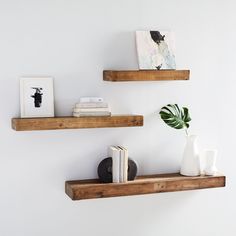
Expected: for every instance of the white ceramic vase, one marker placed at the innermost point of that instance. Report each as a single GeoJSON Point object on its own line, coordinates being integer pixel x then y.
{"type": "Point", "coordinates": [191, 162]}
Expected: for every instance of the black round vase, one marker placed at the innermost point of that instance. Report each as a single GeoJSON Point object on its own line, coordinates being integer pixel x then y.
{"type": "Point", "coordinates": [105, 170]}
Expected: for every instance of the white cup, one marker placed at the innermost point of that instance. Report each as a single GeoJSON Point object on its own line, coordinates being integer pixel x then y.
{"type": "Point", "coordinates": [210, 162]}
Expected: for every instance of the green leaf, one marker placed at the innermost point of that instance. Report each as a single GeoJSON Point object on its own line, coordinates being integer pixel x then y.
{"type": "Point", "coordinates": [175, 117]}
{"type": "Point", "coordinates": [186, 114]}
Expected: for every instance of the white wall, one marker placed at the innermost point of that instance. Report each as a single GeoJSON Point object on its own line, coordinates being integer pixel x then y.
{"type": "Point", "coordinates": [73, 41]}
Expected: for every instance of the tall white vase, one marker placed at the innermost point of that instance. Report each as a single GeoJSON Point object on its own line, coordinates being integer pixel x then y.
{"type": "Point", "coordinates": [190, 163]}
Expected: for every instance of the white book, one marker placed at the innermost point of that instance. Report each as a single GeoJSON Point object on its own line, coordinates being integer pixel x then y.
{"type": "Point", "coordinates": [91, 110]}
{"type": "Point", "coordinates": [90, 99]}
{"type": "Point", "coordinates": [91, 105]}
{"type": "Point", "coordinates": [87, 114]}
{"type": "Point", "coordinates": [114, 153]}
{"type": "Point", "coordinates": [121, 164]}
{"type": "Point", "coordinates": [124, 164]}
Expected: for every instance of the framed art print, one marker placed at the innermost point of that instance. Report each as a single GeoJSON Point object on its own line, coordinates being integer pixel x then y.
{"type": "Point", "coordinates": [156, 50]}
{"type": "Point", "coordinates": [36, 97]}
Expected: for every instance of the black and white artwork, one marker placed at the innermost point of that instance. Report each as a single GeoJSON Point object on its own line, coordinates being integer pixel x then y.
{"type": "Point", "coordinates": [156, 50]}
{"type": "Point", "coordinates": [36, 97]}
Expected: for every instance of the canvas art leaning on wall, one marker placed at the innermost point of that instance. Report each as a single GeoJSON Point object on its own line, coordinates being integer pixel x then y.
{"type": "Point", "coordinates": [156, 50]}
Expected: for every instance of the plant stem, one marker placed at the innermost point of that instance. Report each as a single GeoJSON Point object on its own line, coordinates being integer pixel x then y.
{"type": "Point", "coordinates": [186, 131]}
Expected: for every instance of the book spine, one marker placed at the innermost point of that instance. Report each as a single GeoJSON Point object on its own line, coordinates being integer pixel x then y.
{"type": "Point", "coordinates": [91, 110]}
{"type": "Point", "coordinates": [121, 164]}
{"type": "Point", "coordinates": [91, 99]}
{"type": "Point", "coordinates": [76, 114]}
{"type": "Point", "coordinates": [125, 164]}
{"type": "Point", "coordinates": [91, 105]}
{"type": "Point", "coordinates": [114, 153]}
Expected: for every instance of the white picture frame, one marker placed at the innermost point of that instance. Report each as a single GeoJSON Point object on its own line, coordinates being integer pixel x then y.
{"type": "Point", "coordinates": [36, 97]}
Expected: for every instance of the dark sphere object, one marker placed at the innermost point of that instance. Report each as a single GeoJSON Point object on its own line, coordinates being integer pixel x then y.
{"type": "Point", "coordinates": [105, 170]}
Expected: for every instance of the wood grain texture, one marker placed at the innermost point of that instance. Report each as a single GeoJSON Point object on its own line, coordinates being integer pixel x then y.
{"type": "Point", "coordinates": [29, 124]}
{"type": "Point", "coordinates": [145, 75]}
{"type": "Point", "coordinates": [88, 189]}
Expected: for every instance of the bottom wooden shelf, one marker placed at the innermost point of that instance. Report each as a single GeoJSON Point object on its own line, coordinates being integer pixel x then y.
{"type": "Point", "coordinates": [92, 188]}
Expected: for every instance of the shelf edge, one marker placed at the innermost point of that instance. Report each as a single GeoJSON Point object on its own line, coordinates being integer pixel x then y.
{"type": "Point", "coordinates": [81, 190]}
{"type": "Point", "coordinates": [56, 123]}
{"type": "Point", "coordinates": [145, 75]}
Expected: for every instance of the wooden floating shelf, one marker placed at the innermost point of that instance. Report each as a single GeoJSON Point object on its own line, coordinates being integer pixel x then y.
{"type": "Point", "coordinates": [88, 189]}
{"type": "Point", "coordinates": [145, 75]}
{"type": "Point", "coordinates": [29, 124]}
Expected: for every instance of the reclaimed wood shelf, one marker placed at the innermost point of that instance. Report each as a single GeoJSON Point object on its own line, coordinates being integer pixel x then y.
{"type": "Point", "coordinates": [145, 75]}
{"type": "Point", "coordinates": [29, 124]}
{"type": "Point", "coordinates": [92, 188]}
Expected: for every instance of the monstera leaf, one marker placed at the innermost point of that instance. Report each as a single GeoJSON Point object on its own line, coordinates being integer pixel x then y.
{"type": "Point", "coordinates": [175, 117]}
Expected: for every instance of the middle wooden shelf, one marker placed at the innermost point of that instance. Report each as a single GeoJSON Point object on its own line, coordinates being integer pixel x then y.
{"type": "Point", "coordinates": [29, 124]}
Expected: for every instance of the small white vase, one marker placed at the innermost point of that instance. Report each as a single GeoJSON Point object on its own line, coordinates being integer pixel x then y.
{"type": "Point", "coordinates": [210, 162]}
{"type": "Point", "coordinates": [190, 163]}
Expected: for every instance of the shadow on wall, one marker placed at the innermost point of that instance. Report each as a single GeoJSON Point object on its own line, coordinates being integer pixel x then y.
{"type": "Point", "coordinates": [153, 210]}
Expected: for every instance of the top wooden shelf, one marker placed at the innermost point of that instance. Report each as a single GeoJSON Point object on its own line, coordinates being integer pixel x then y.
{"type": "Point", "coordinates": [145, 75]}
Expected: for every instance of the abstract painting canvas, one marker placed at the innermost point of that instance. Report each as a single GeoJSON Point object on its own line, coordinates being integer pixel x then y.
{"type": "Point", "coordinates": [36, 97]}
{"type": "Point", "coordinates": [156, 50]}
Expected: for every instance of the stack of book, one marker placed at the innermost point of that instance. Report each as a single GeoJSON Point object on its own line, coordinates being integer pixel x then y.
{"type": "Point", "coordinates": [91, 106]}
{"type": "Point", "coordinates": [119, 157]}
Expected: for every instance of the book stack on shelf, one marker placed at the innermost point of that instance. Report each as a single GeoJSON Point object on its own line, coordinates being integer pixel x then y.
{"type": "Point", "coordinates": [91, 106]}
{"type": "Point", "coordinates": [119, 156]}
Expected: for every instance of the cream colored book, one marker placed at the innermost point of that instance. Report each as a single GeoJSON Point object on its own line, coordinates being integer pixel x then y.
{"type": "Point", "coordinates": [91, 99]}
{"type": "Point", "coordinates": [123, 164]}
{"type": "Point", "coordinates": [91, 105]}
{"type": "Point", "coordinates": [126, 162]}
{"type": "Point", "coordinates": [114, 153]}
{"type": "Point", "coordinates": [100, 109]}
{"type": "Point", "coordinates": [87, 114]}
